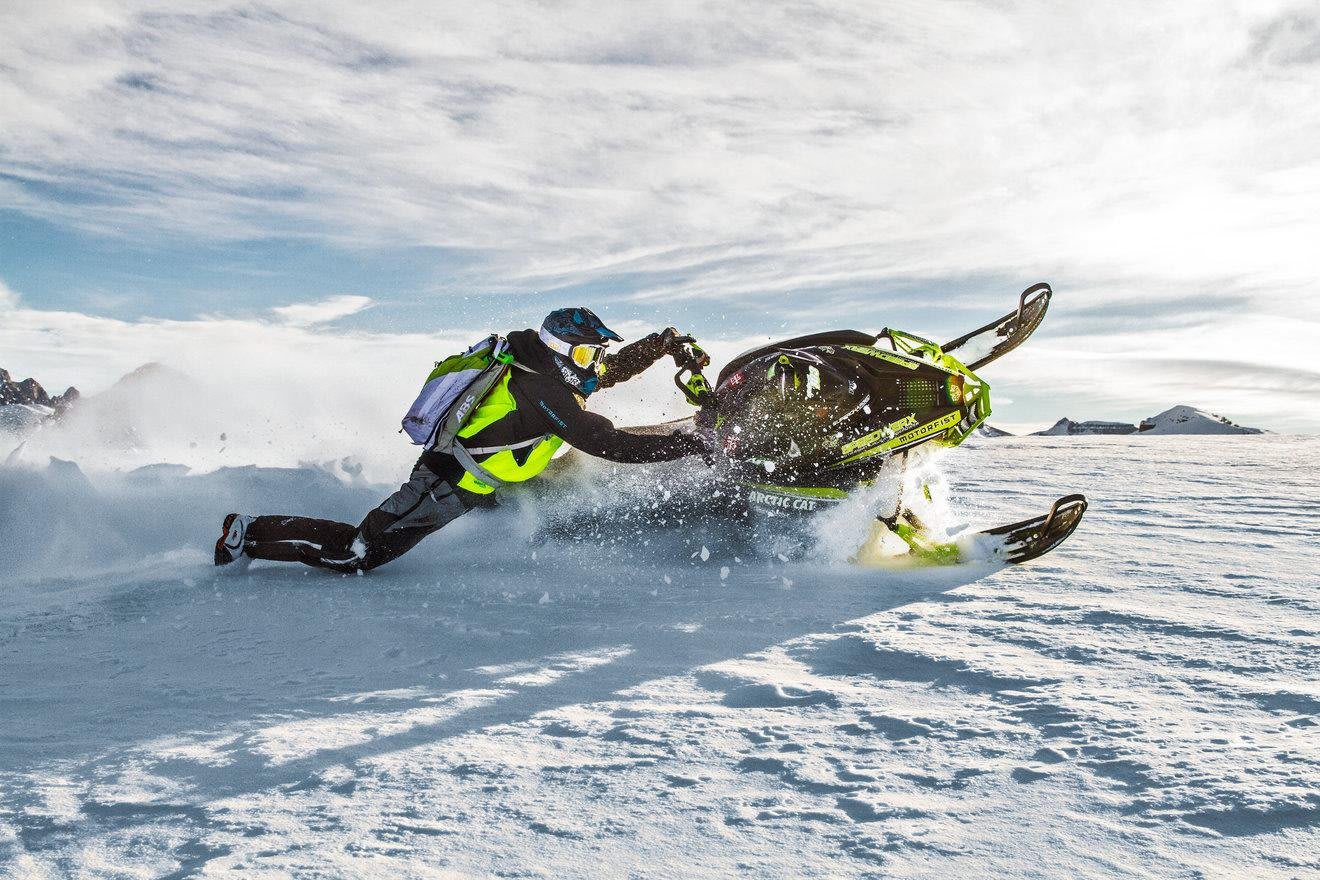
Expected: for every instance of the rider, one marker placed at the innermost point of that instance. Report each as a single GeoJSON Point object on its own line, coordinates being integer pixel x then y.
{"type": "Point", "coordinates": [511, 434]}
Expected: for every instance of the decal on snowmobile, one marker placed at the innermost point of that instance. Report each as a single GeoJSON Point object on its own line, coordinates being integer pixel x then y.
{"type": "Point", "coordinates": [943, 423]}
{"type": "Point", "coordinates": [884, 433]}
{"type": "Point", "coordinates": [883, 355]}
{"type": "Point", "coordinates": [792, 498]}
{"type": "Point", "coordinates": [782, 502]}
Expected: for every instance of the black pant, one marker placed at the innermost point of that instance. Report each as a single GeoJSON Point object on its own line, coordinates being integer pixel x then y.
{"type": "Point", "coordinates": [426, 503]}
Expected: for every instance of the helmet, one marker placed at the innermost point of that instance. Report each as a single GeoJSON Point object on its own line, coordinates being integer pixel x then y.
{"type": "Point", "coordinates": [577, 340]}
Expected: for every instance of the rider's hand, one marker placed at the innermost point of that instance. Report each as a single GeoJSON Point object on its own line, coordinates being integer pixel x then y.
{"type": "Point", "coordinates": [671, 341]}
{"type": "Point", "coordinates": [684, 349]}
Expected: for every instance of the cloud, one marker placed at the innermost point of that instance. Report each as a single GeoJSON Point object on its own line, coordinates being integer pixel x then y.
{"type": "Point", "coordinates": [824, 162]}
{"type": "Point", "coordinates": [332, 309]}
{"type": "Point", "coordinates": [1247, 370]}
{"type": "Point", "coordinates": [708, 149]}
{"type": "Point", "coordinates": [1291, 39]}
{"type": "Point", "coordinates": [8, 299]}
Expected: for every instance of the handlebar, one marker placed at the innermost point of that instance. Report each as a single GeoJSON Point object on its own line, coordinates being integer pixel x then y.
{"type": "Point", "coordinates": [692, 359]}
{"type": "Point", "coordinates": [690, 356]}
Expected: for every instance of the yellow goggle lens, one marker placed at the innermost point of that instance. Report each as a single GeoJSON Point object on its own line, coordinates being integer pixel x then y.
{"type": "Point", "coordinates": [586, 355]}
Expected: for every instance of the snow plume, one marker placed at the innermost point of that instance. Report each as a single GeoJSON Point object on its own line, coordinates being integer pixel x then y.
{"type": "Point", "coordinates": [215, 392]}
{"type": "Point", "coordinates": [155, 520]}
{"type": "Point", "coordinates": [916, 483]}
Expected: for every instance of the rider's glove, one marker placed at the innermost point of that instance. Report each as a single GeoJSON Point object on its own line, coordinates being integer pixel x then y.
{"type": "Point", "coordinates": [671, 341]}
{"type": "Point", "coordinates": [683, 348]}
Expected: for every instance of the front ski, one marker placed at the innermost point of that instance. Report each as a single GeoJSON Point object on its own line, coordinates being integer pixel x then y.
{"type": "Point", "coordinates": [1030, 538]}
{"type": "Point", "coordinates": [998, 338]}
{"type": "Point", "coordinates": [1009, 544]}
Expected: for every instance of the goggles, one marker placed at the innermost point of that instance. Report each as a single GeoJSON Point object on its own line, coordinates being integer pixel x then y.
{"type": "Point", "coordinates": [583, 355]}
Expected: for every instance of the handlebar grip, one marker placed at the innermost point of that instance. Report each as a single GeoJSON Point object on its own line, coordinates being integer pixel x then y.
{"type": "Point", "coordinates": [696, 355]}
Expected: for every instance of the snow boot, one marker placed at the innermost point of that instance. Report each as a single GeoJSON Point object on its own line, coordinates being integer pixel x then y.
{"type": "Point", "coordinates": [229, 546]}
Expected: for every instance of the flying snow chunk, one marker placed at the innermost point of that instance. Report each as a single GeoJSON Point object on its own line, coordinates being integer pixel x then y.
{"type": "Point", "coordinates": [705, 553]}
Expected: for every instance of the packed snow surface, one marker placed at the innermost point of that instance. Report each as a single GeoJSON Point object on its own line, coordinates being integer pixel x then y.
{"type": "Point", "coordinates": [1144, 701]}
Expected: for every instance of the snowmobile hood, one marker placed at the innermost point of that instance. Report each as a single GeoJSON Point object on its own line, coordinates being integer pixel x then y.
{"type": "Point", "coordinates": [828, 414]}
{"type": "Point", "coordinates": [829, 337]}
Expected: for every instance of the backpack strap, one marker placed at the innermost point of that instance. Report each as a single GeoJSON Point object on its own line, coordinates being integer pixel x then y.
{"type": "Point", "coordinates": [491, 450]}
{"type": "Point", "coordinates": [465, 456]}
{"type": "Point", "coordinates": [472, 466]}
{"type": "Point", "coordinates": [501, 354]}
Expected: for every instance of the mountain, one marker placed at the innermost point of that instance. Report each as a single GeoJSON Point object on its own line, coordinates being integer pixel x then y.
{"type": "Point", "coordinates": [992, 431]}
{"type": "Point", "coordinates": [1067, 427]}
{"type": "Point", "coordinates": [26, 403]}
{"type": "Point", "coordinates": [1183, 419]}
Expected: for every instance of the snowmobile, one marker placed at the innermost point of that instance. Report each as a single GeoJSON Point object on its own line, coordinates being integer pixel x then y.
{"type": "Point", "coordinates": [799, 425]}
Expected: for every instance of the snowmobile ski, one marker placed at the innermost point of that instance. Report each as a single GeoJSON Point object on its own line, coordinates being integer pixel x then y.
{"type": "Point", "coordinates": [988, 343]}
{"type": "Point", "coordinates": [1008, 544]}
{"type": "Point", "coordinates": [1031, 538]}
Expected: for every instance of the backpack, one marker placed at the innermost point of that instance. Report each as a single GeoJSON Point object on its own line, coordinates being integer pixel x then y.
{"type": "Point", "coordinates": [451, 391]}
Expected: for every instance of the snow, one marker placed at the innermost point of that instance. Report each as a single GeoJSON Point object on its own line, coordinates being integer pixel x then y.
{"type": "Point", "coordinates": [1142, 702]}
{"type": "Point", "coordinates": [19, 417]}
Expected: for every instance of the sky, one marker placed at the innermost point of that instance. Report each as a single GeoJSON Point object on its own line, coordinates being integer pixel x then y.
{"type": "Point", "coordinates": [337, 183]}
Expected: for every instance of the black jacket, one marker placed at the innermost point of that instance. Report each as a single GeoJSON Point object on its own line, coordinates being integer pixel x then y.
{"type": "Point", "coordinates": [546, 405]}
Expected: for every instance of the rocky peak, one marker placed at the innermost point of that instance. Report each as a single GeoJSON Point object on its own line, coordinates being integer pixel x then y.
{"type": "Point", "coordinates": [1067, 427]}
{"type": "Point", "coordinates": [30, 393]}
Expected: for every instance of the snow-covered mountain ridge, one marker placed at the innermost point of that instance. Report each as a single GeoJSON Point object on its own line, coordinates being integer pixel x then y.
{"type": "Point", "coordinates": [1181, 419]}
{"type": "Point", "coordinates": [1185, 419]}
